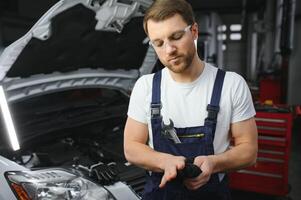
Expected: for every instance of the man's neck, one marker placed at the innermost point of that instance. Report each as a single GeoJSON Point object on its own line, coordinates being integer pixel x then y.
{"type": "Point", "coordinates": [191, 73]}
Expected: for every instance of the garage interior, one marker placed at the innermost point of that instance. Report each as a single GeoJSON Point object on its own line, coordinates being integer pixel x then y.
{"type": "Point", "coordinates": [258, 39]}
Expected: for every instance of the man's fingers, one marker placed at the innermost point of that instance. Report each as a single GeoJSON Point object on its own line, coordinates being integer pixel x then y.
{"type": "Point", "coordinates": [181, 165]}
{"type": "Point", "coordinates": [199, 160]}
{"type": "Point", "coordinates": [163, 182]}
{"type": "Point", "coordinates": [168, 176]}
{"type": "Point", "coordinates": [171, 165]}
{"type": "Point", "coordinates": [194, 185]}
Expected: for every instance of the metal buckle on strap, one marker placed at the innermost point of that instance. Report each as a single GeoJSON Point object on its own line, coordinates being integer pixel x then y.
{"type": "Point", "coordinates": [212, 112]}
{"type": "Point", "coordinates": [155, 109]}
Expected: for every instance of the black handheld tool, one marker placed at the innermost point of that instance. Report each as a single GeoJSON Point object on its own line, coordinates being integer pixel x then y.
{"type": "Point", "coordinates": [190, 170]}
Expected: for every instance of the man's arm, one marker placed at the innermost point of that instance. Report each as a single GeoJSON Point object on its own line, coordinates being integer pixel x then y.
{"type": "Point", "coordinates": [244, 151]}
{"type": "Point", "coordinates": [243, 154]}
{"type": "Point", "coordinates": [139, 153]}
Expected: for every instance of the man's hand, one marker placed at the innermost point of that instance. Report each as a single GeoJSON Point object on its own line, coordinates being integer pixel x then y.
{"type": "Point", "coordinates": [206, 165]}
{"type": "Point", "coordinates": [171, 165]}
{"type": "Point", "coordinates": [137, 152]}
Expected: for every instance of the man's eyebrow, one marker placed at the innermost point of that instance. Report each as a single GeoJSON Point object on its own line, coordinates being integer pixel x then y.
{"type": "Point", "coordinates": [179, 31]}
{"type": "Point", "coordinates": [157, 40]}
{"type": "Point", "coordinates": [175, 32]}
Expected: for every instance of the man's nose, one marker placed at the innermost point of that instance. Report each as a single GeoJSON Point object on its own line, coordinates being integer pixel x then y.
{"type": "Point", "coordinates": [169, 48]}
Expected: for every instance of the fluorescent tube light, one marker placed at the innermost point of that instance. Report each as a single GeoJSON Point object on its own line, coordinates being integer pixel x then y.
{"type": "Point", "coordinates": [8, 121]}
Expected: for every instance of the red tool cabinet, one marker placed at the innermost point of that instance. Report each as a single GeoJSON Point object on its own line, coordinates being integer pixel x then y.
{"type": "Point", "coordinates": [270, 173]}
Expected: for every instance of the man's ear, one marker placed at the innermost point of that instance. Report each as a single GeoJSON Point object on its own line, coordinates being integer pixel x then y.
{"type": "Point", "coordinates": [195, 30]}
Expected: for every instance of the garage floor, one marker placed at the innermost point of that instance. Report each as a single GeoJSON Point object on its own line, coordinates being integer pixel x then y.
{"type": "Point", "coordinates": [294, 171]}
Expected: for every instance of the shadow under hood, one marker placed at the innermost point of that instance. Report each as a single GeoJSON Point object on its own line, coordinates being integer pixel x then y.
{"type": "Point", "coordinates": [74, 43]}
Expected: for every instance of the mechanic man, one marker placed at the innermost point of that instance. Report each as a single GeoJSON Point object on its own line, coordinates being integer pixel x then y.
{"type": "Point", "coordinates": [207, 107]}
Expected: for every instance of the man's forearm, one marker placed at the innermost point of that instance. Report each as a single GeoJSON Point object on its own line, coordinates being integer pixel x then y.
{"type": "Point", "coordinates": [146, 157]}
{"type": "Point", "coordinates": [235, 158]}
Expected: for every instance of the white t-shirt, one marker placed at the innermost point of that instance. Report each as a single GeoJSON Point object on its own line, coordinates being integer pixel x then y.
{"type": "Point", "coordinates": [185, 103]}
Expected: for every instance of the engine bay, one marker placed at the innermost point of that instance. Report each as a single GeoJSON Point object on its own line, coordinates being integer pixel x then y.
{"type": "Point", "coordinates": [97, 156]}
{"type": "Point", "coordinates": [81, 131]}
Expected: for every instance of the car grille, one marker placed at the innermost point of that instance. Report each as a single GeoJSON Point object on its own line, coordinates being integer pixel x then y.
{"type": "Point", "coordinates": [134, 177]}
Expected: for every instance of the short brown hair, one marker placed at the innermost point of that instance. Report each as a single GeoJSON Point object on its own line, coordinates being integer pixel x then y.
{"type": "Point", "coordinates": [164, 9]}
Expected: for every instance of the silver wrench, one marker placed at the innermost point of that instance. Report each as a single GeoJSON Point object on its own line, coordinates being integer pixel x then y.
{"type": "Point", "coordinates": [169, 132]}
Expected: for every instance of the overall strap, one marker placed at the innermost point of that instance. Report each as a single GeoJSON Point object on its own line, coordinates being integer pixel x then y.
{"type": "Point", "coordinates": [156, 95]}
{"type": "Point", "coordinates": [213, 107]}
{"type": "Point", "coordinates": [155, 108]}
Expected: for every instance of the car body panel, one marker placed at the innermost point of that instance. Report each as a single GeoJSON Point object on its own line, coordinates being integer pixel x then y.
{"type": "Point", "coordinates": [54, 45]}
{"type": "Point", "coordinates": [7, 165]}
{"type": "Point", "coordinates": [34, 66]}
{"type": "Point", "coordinates": [19, 89]}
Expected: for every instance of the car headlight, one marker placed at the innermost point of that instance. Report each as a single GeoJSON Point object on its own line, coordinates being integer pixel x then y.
{"type": "Point", "coordinates": [54, 184]}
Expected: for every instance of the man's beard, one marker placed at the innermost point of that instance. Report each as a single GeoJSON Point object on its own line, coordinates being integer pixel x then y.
{"type": "Point", "coordinates": [183, 62]}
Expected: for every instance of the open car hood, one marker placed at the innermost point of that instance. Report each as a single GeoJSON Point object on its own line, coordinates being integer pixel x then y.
{"type": "Point", "coordinates": [79, 43]}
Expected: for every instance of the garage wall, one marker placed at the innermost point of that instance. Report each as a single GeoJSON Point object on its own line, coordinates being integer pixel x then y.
{"type": "Point", "coordinates": [294, 94]}
{"type": "Point", "coordinates": [235, 53]}
{"type": "Point", "coordinates": [234, 57]}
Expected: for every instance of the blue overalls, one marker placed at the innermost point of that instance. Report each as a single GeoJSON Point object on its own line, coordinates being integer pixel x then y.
{"type": "Point", "coordinates": [190, 147]}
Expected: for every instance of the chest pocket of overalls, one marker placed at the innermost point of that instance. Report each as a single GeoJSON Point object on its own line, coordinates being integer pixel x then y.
{"type": "Point", "coordinates": [195, 141]}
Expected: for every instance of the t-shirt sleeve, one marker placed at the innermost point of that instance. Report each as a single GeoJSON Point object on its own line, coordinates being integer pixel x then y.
{"type": "Point", "coordinates": [243, 107]}
{"type": "Point", "coordinates": [137, 103]}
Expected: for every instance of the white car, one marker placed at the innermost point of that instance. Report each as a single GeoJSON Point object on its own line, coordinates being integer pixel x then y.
{"type": "Point", "coordinates": [66, 83]}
